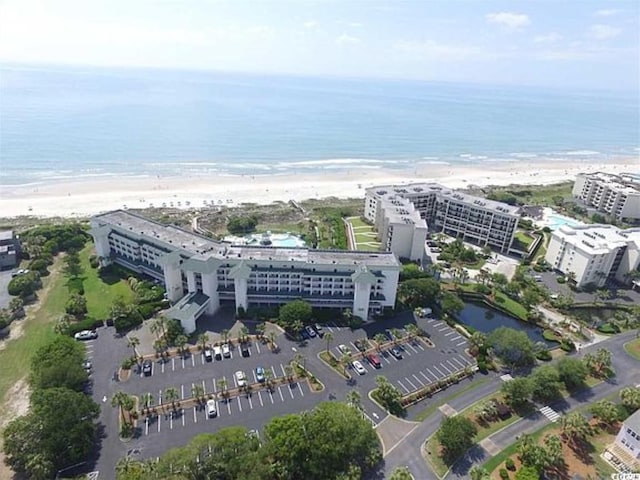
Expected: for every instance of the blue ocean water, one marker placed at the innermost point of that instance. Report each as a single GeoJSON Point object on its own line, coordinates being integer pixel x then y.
{"type": "Point", "coordinates": [63, 122]}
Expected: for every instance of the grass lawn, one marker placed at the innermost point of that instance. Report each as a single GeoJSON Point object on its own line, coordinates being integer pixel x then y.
{"type": "Point", "coordinates": [358, 222]}
{"type": "Point", "coordinates": [98, 293]}
{"type": "Point", "coordinates": [365, 235]}
{"type": "Point", "coordinates": [633, 348]}
{"type": "Point", "coordinates": [432, 449]}
{"type": "Point", "coordinates": [523, 241]}
{"type": "Point", "coordinates": [511, 306]}
{"type": "Point", "coordinates": [36, 327]}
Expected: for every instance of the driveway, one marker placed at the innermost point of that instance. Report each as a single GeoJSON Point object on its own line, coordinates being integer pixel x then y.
{"type": "Point", "coordinates": [5, 298]}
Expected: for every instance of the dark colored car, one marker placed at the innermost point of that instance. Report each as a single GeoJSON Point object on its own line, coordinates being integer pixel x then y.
{"type": "Point", "coordinates": [319, 330]}
{"type": "Point", "coordinates": [389, 335]}
{"type": "Point", "coordinates": [244, 348]}
{"type": "Point", "coordinates": [304, 334]}
{"type": "Point", "coordinates": [147, 367]}
{"type": "Point", "coordinates": [395, 351]}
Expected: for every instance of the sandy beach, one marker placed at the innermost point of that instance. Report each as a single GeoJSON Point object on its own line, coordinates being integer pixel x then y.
{"type": "Point", "coordinates": [91, 196]}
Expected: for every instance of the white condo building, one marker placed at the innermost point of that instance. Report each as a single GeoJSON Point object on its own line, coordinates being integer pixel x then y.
{"type": "Point", "coordinates": [402, 214]}
{"type": "Point", "coordinates": [595, 253]}
{"type": "Point", "coordinates": [201, 274]}
{"type": "Point", "coordinates": [613, 195]}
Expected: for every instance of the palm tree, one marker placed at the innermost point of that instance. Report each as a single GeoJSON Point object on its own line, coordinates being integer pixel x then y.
{"type": "Point", "coordinates": [171, 395]}
{"type": "Point", "coordinates": [272, 339]}
{"type": "Point", "coordinates": [159, 327]}
{"type": "Point", "coordinates": [260, 329]}
{"type": "Point", "coordinates": [124, 402]}
{"type": "Point", "coordinates": [301, 360]}
{"type": "Point", "coordinates": [478, 473]}
{"type": "Point", "coordinates": [296, 326]}
{"type": "Point", "coordinates": [133, 342]}
{"type": "Point", "coordinates": [380, 339]}
{"type": "Point", "coordinates": [222, 383]}
{"type": "Point", "coordinates": [603, 360]}
{"type": "Point", "coordinates": [181, 342]}
{"type": "Point", "coordinates": [268, 379]}
{"type": "Point", "coordinates": [203, 338]}
{"type": "Point", "coordinates": [553, 449]}
{"type": "Point", "coordinates": [328, 337]}
{"type": "Point", "coordinates": [345, 360]}
{"type": "Point", "coordinates": [353, 398]}
{"type": "Point", "coordinates": [225, 335]}
{"type": "Point", "coordinates": [575, 426]}
{"type": "Point", "coordinates": [160, 346]}
{"type": "Point", "coordinates": [477, 340]}
{"type": "Point", "coordinates": [244, 333]}
{"type": "Point", "coordinates": [197, 392]}
{"type": "Point", "coordinates": [146, 399]}
{"type": "Point", "coordinates": [412, 330]}
{"type": "Point", "coordinates": [571, 277]}
{"type": "Point", "coordinates": [398, 335]}
{"type": "Point", "coordinates": [630, 397]}
{"type": "Point", "coordinates": [288, 372]}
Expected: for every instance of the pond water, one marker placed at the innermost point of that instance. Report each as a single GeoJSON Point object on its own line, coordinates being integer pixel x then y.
{"type": "Point", "coordinates": [486, 320]}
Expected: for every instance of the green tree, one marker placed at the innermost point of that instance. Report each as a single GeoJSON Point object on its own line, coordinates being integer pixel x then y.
{"type": "Point", "coordinates": [606, 412]}
{"type": "Point", "coordinates": [72, 267]}
{"type": "Point", "coordinates": [517, 391]}
{"type": "Point", "coordinates": [328, 337]}
{"type": "Point", "coordinates": [59, 364]}
{"type": "Point", "coordinates": [353, 398]}
{"type": "Point", "coordinates": [456, 436]}
{"type": "Point", "coordinates": [527, 473]}
{"type": "Point", "coordinates": [401, 473]}
{"type": "Point", "coordinates": [419, 292]}
{"type": "Point", "coordinates": [553, 451]}
{"type": "Point", "coordinates": [451, 304]}
{"type": "Point", "coordinates": [389, 396]}
{"type": "Point", "coordinates": [260, 329]}
{"type": "Point", "coordinates": [630, 397]}
{"type": "Point", "coordinates": [241, 225]}
{"type": "Point", "coordinates": [477, 340]}
{"type": "Point", "coordinates": [197, 392]}
{"type": "Point", "coordinates": [546, 383]}
{"type": "Point", "coordinates": [171, 395]}
{"type": "Point", "coordinates": [132, 343]}
{"type": "Point", "coordinates": [24, 285]}
{"type": "Point", "coordinates": [575, 427]}
{"type": "Point", "coordinates": [181, 342]}
{"type": "Point", "coordinates": [125, 403]}
{"type": "Point", "coordinates": [478, 473]}
{"type": "Point", "coordinates": [513, 347]}
{"type": "Point", "coordinates": [76, 305]}
{"type": "Point", "coordinates": [572, 371]}
{"type": "Point", "coordinates": [530, 453]}
{"type": "Point", "coordinates": [295, 311]}
{"type": "Point", "coordinates": [203, 338]}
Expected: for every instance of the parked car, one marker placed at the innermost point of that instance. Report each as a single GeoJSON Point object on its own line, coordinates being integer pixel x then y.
{"type": "Point", "coordinates": [260, 374]}
{"type": "Point", "coordinates": [244, 349]}
{"type": "Point", "coordinates": [343, 348]}
{"type": "Point", "coordinates": [226, 351]}
{"type": "Point", "coordinates": [389, 334]}
{"type": "Point", "coordinates": [211, 408]}
{"type": "Point", "coordinates": [217, 352]}
{"type": "Point", "coordinates": [310, 331]}
{"type": "Point", "coordinates": [318, 328]}
{"type": "Point", "coordinates": [374, 360]}
{"type": "Point", "coordinates": [87, 365]}
{"type": "Point", "coordinates": [147, 367]}
{"type": "Point", "coordinates": [241, 378]}
{"type": "Point", "coordinates": [208, 355]}
{"type": "Point", "coordinates": [86, 335]}
{"type": "Point", "coordinates": [395, 351]}
{"type": "Point", "coordinates": [304, 334]}
{"type": "Point", "coordinates": [358, 367]}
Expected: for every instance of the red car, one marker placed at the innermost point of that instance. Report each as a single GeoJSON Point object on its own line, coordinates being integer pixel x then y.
{"type": "Point", "coordinates": [374, 361]}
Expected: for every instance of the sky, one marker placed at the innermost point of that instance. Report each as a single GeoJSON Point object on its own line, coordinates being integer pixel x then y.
{"type": "Point", "coordinates": [554, 43]}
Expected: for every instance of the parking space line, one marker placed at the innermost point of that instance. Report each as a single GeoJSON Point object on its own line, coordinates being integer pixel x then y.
{"type": "Point", "coordinates": [202, 358]}
{"type": "Point", "coordinates": [438, 370]}
{"type": "Point", "coordinates": [407, 352]}
{"type": "Point", "coordinates": [386, 359]}
{"type": "Point", "coordinates": [171, 420]}
{"type": "Point", "coordinates": [239, 404]}
{"type": "Point", "coordinates": [195, 417]}
{"type": "Point", "coordinates": [204, 411]}
{"type": "Point", "coordinates": [213, 380]}
{"type": "Point", "coordinates": [419, 345]}
{"type": "Point", "coordinates": [173, 364]}
{"type": "Point", "coordinates": [146, 426]}
{"type": "Point", "coordinates": [437, 324]}
{"type": "Point", "coordinates": [260, 397]}
{"type": "Point", "coordinates": [182, 392]}
{"type": "Point", "coordinates": [290, 391]}
{"type": "Point", "coordinates": [273, 371]}
{"type": "Point", "coordinates": [465, 360]}
{"type": "Point", "coordinates": [204, 388]}
{"type": "Point", "coordinates": [162, 364]}
{"type": "Point", "coordinates": [258, 347]}
{"type": "Point", "coordinates": [159, 397]}
{"type": "Point", "coordinates": [228, 407]}
{"type": "Point", "coordinates": [329, 328]}
{"type": "Point", "coordinates": [461, 343]}
{"type": "Point", "coordinates": [425, 377]}
{"type": "Point", "coordinates": [418, 380]}
{"type": "Point", "coordinates": [444, 367]}
{"type": "Point", "coordinates": [255, 379]}
{"type": "Point", "coordinates": [159, 421]}
{"type": "Point", "coordinates": [235, 383]}
{"type": "Point", "coordinates": [460, 365]}
{"type": "Point", "coordinates": [412, 347]}
{"type": "Point", "coordinates": [443, 328]}
{"type": "Point", "coordinates": [410, 383]}
{"type": "Point", "coordinates": [355, 349]}
{"type": "Point", "coordinates": [433, 374]}
{"type": "Point", "coordinates": [182, 415]}
{"type": "Point", "coordinates": [250, 402]}
{"type": "Point", "coordinates": [193, 360]}
{"type": "Point", "coordinates": [405, 388]}
{"type": "Point", "coordinates": [457, 337]}
{"type": "Point", "coordinates": [284, 374]}
{"type": "Point", "coordinates": [182, 358]}
{"type": "Point", "coordinates": [450, 333]}
{"type": "Point", "coordinates": [280, 392]}
{"type": "Point", "coordinates": [300, 387]}
{"type": "Point", "coordinates": [271, 395]}
{"type": "Point", "coordinates": [455, 367]}
{"type": "Point", "coordinates": [431, 320]}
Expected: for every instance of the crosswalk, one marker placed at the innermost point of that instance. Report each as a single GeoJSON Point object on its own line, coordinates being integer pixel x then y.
{"type": "Point", "coordinates": [550, 413]}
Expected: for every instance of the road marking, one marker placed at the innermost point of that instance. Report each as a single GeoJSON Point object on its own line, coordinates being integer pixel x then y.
{"type": "Point", "coordinates": [407, 352]}
{"type": "Point", "coordinates": [280, 392]}
{"type": "Point", "coordinates": [182, 359]}
{"type": "Point", "coordinates": [162, 366]}
{"type": "Point", "coordinates": [235, 383]}
{"type": "Point", "coordinates": [146, 426]}
{"type": "Point", "coordinates": [171, 420]}
{"type": "Point", "coordinates": [173, 364]}
{"type": "Point", "coordinates": [455, 367]}
{"type": "Point", "coordinates": [213, 380]}
{"type": "Point", "coordinates": [450, 333]}
{"type": "Point", "coordinates": [159, 397]}
{"type": "Point", "coordinates": [271, 395]}
{"type": "Point", "coordinates": [195, 417]}
{"type": "Point", "coordinates": [444, 367]}
{"type": "Point", "coordinates": [182, 391]}
{"type": "Point", "coordinates": [466, 360]}
{"type": "Point", "coordinates": [182, 415]}
{"type": "Point", "coordinates": [437, 324]}
{"type": "Point", "coordinates": [193, 360]}
{"type": "Point", "coordinates": [301, 390]}
{"type": "Point", "coordinates": [258, 347]}
{"type": "Point", "coordinates": [329, 328]}
{"type": "Point", "coordinates": [550, 413]}
{"type": "Point", "coordinates": [355, 349]}
{"type": "Point", "coordinates": [432, 374]}
{"type": "Point", "coordinates": [460, 344]}
{"type": "Point", "coordinates": [239, 404]}
{"type": "Point", "coordinates": [386, 359]}
{"type": "Point", "coordinates": [412, 348]}
{"type": "Point", "coordinates": [204, 388]}
{"type": "Point", "coordinates": [202, 358]}
{"type": "Point", "coordinates": [405, 388]}
{"type": "Point", "coordinates": [284, 374]}
{"type": "Point", "coordinates": [417, 344]}
{"type": "Point", "coordinates": [260, 397]}
{"type": "Point", "coordinates": [443, 329]}
{"type": "Point", "coordinates": [458, 362]}
{"type": "Point", "coordinates": [438, 370]}
{"type": "Point", "coordinates": [410, 383]}
{"type": "Point", "coordinates": [273, 371]}
{"type": "Point", "coordinates": [229, 407]}
{"type": "Point", "coordinates": [418, 380]}
{"type": "Point", "coordinates": [250, 402]}
{"type": "Point", "coordinates": [431, 320]}
{"type": "Point", "coordinates": [255, 379]}
{"type": "Point", "coordinates": [159, 421]}
{"type": "Point", "coordinates": [425, 377]}
{"type": "Point", "coordinates": [457, 337]}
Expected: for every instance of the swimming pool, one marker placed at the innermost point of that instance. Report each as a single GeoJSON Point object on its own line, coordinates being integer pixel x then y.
{"type": "Point", "coordinates": [556, 221]}
{"type": "Point", "coordinates": [268, 239]}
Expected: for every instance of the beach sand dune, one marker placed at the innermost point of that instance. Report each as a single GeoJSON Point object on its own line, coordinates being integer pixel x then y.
{"type": "Point", "coordinates": [88, 197]}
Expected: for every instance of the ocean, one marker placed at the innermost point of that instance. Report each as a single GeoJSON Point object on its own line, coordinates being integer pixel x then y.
{"type": "Point", "coordinates": [60, 123]}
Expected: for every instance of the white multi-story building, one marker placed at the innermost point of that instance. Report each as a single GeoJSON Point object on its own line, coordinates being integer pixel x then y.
{"type": "Point", "coordinates": [627, 443]}
{"type": "Point", "coordinates": [595, 254]}
{"type": "Point", "coordinates": [440, 209]}
{"type": "Point", "coordinates": [200, 274]}
{"type": "Point", "coordinates": [613, 195]}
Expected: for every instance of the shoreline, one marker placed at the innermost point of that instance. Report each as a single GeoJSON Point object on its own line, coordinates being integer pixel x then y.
{"type": "Point", "coordinates": [87, 197]}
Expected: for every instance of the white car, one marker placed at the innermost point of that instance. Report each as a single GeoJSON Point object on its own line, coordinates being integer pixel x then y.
{"type": "Point", "coordinates": [211, 409]}
{"type": "Point", "coordinates": [241, 378]}
{"type": "Point", "coordinates": [86, 335]}
{"type": "Point", "coordinates": [343, 349]}
{"type": "Point", "coordinates": [226, 351]}
{"type": "Point", "coordinates": [358, 367]}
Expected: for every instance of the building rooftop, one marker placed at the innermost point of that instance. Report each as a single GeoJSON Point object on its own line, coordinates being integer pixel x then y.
{"type": "Point", "coordinates": [598, 239]}
{"type": "Point", "coordinates": [622, 184]}
{"type": "Point", "coordinates": [633, 422]}
{"type": "Point", "coordinates": [6, 235]}
{"type": "Point", "coordinates": [413, 190]}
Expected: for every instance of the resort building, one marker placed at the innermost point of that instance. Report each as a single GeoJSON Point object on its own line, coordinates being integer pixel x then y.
{"type": "Point", "coordinates": [201, 274]}
{"type": "Point", "coordinates": [626, 446]}
{"type": "Point", "coordinates": [615, 195]}
{"type": "Point", "coordinates": [9, 250]}
{"type": "Point", "coordinates": [595, 254]}
{"type": "Point", "coordinates": [397, 209]}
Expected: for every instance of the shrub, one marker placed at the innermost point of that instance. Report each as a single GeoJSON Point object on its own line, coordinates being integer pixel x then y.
{"type": "Point", "coordinates": [123, 324]}
{"type": "Point", "coordinates": [504, 474]}
{"type": "Point", "coordinates": [75, 285]}
{"type": "Point", "coordinates": [86, 324]}
{"type": "Point", "coordinates": [24, 285]}
{"type": "Point", "coordinates": [551, 336]}
{"type": "Point", "coordinates": [127, 363]}
{"type": "Point", "coordinates": [543, 355]}
{"type": "Point", "coordinates": [568, 345]}
{"type": "Point", "coordinates": [93, 261]}
{"type": "Point", "coordinates": [609, 328]}
{"type": "Point", "coordinates": [482, 366]}
{"type": "Point", "coordinates": [509, 464]}
{"type": "Point", "coordinates": [146, 310]}
{"type": "Point", "coordinates": [39, 265]}
{"type": "Point", "coordinates": [561, 279]}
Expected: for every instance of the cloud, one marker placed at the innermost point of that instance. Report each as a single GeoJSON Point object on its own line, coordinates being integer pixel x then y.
{"type": "Point", "coordinates": [512, 21]}
{"type": "Point", "coordinates": [604, 32]}
{"type": "Point", "coordinates": [345, 39]}
{"type": "Point", "coordinates": [608, 12]}
{"type": "Point", "coordinates": [552, 37]}
{"type": "Point", "coordinates": [310, 24]}
{"type": "Point", "coordinates": [355, 24]}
